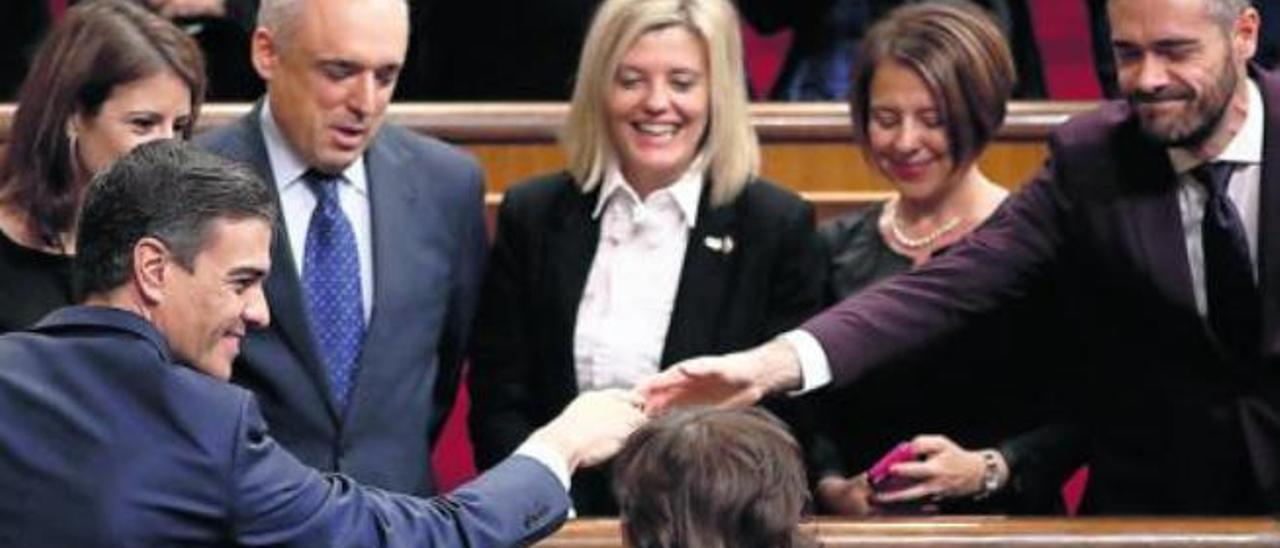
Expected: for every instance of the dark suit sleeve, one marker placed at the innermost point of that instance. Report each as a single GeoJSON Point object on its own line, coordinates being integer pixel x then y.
{"type": "Point", "coordinates": [279, 502]}
{"type": "Point", "coordinates": [998, 263]}
{"type": "Point", "coordinates": [501, 397]}
{"type": "Point", "coordinates": [1039, 461]}
{"type": "Point", "coordinates": [463, 298]}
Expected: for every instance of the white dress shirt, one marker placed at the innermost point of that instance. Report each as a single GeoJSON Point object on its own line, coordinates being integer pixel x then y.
{"type": "Point", "coordinates": [297, 202]}
{"type": "Point", "coordinates": [626, 305]}
{"type": "Point", "coordinates": [1243, 189]}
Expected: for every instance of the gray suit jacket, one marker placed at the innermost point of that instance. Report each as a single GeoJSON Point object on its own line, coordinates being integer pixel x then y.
{"type": "Point", "coordinates": [427, 207]}
{"type": "Point", "coordinates": [105, 440]}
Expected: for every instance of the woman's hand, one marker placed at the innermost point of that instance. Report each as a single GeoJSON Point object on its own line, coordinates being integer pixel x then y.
{"type": "Point", "coordinates": [945, 471]}
{"type": "Point", "coordinates": [845, 496]}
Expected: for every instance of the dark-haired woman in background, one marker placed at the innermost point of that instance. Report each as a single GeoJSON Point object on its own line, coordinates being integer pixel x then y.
{"type": "Point", "coordinates": [111, 75]}
{"type": "Point", "coordinates": [929, 93]}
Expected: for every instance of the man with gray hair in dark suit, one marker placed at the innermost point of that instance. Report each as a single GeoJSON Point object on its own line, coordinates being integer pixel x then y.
{"type": "Point", "coordinates": [380, 246]}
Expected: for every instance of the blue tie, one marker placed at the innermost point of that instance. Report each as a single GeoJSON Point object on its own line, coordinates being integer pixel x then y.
{"type": "Point", "coordinates": [331, 277]}
{"type": "Point", "coordinates": [1234, 303]}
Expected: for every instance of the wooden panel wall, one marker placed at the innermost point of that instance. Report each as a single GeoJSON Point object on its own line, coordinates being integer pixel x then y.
{"type": "Point", "coordinates": [807, 146]}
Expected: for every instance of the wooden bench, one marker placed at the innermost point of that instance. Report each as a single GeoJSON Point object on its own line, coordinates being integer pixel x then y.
{"type": "Point", "coordinates": [983, 532]}
{"type": "Point", "coordinates": [806, 146]}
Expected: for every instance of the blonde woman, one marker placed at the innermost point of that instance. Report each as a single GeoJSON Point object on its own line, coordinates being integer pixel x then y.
{"type": "Point", "coordinates": [659, 243]}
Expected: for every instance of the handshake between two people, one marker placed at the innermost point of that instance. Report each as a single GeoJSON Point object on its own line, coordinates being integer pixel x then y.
{"type": "Point", "coordinates": [594, 426]}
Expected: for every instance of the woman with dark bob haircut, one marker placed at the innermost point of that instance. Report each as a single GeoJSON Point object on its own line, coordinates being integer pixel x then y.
{"type": "Point", "coordinates": [711, 478]}
{"type": "Point", "coordinates": [929, 93]}
{"type": "Point", "coordinates": [109, 76]}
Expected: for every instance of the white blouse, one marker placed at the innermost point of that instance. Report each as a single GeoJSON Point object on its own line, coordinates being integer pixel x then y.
{"type": "Point", "coordinates": [631, 289]}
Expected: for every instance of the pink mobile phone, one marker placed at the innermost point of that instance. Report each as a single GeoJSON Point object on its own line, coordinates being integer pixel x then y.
{"type": "Point", "coordinates": [883, 481]}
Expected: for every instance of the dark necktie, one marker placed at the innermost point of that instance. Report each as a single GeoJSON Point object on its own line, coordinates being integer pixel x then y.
{"type": "Point", "coordinates": [331, 277]}
{"type": "Point", "coordinates": [1234, 303]}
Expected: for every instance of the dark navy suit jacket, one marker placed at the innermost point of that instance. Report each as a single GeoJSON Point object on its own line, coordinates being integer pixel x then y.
{"type": "Point", "coordinates": [427, 210]}
{"type": "Point", "coordinates": [106, 441]}
{"type": "Point", "coordinates": [1175, 426]}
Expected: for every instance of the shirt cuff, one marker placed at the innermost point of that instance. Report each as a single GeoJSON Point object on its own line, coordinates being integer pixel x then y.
{"type": "Point", "coordinates": [549, 457]}
{"type": "Point", "coordinates": [815, 372]}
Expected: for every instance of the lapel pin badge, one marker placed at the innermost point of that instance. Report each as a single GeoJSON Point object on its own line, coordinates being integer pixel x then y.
{"type": "Point", "coordinates": [719, 244]}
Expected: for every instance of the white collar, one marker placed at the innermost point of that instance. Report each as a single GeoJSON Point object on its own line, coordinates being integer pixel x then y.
{"type": "Point", "coordinates": [686, 191]}
{"type": "Point", "coordinates": [1244, 148]}
{"type": "Point", "coordinates": [287, 167]}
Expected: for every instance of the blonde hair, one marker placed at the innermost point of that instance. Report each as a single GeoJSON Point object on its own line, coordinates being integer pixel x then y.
{"type": "Point", "coordinates": [730, 145]}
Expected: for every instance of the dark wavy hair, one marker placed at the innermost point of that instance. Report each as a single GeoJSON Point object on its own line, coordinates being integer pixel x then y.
{"type": "Point", "coordinates": [99, 45]}
{"type": "Point", "coordinates": [961, 55]}
{"type": "Point", "coordinates": [166, 189]}
{"type": "Point", "coordinates": [712, 478]}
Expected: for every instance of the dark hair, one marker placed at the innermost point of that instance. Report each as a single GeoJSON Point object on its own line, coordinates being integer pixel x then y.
{"type": "Point", "coordinates": [711, 478]}
{"type": "Point", "coordinates": [99, 45]}
{"type": "Point", "coordinates": [959, 53]}
{"type": "Point", "coordinates": [166, 189]}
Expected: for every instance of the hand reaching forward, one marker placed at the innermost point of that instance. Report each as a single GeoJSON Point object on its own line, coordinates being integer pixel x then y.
{"type": "Point", "coordinates": [739, 379]}
{"type": "Point", "coordinates": [945, 471]}
{"type": "Point", "coordinates": [594, 425]}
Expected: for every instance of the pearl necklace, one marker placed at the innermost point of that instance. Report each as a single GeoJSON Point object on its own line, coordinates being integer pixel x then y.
{"type": "Point", "coordinates": [901, 238]}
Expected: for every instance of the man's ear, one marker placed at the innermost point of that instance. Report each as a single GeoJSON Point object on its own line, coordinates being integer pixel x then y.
{"type": "Point", "coordinates": [151, 262]}
{"type": "Point", "coordinates": [1245, 35]}
{"type": "Point", "coordinates": [265, 52]}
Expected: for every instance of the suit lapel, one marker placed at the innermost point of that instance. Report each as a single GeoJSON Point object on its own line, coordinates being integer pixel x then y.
{"type": "Point", "coordinates": [713, 245]}
{"type": "Point", "coordinates": [396, 212]}
{"type": "Point", "coordinates": [1269, 214]}
{"type": "Point", "coordinates": [571, 248]}
{"type": "Point", "coordinates": [1157, 219]}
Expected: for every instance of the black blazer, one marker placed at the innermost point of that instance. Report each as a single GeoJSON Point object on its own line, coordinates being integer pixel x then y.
{"type": "Point", "coordinates": [522, 359]}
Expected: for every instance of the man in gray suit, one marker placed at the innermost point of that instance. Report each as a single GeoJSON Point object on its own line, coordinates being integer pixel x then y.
{"type": "Point", "coordinates": [379, 249]}
{"type": "Point", "coordinates": [117, 426]}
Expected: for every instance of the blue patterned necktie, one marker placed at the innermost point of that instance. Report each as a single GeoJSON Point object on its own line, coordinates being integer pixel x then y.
{"type": "Point", "coordinates": [331, 278]}
{"type": "Point", "coordinates": [1234, 303]}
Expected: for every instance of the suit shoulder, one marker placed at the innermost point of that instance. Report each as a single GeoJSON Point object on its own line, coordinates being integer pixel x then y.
{"type": "Point", "coordinates": [855, 226]}
{"type": "Point", "coordinates": [769, 199]}
{"type": "Point", "coordinates": [425, 148]}
{"type": "Point", "coordinates": [231, 140]}
{"type": "Point", "coordinates": [1098, 128]}
{"type": "Point", "coordinates": [540, 195]}
{"type": "Point", "coordinates": [212, 395]}
{"type": "Point", "coordinates": [540, 190]}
